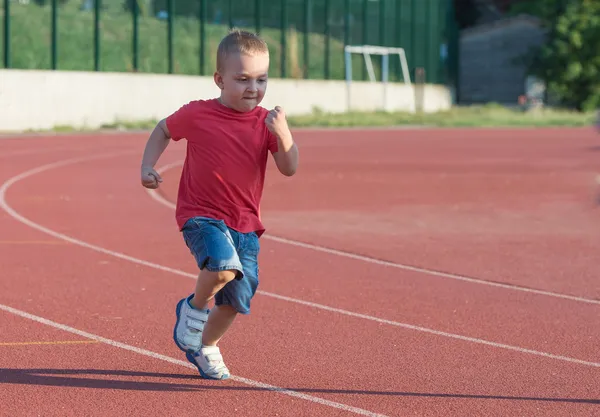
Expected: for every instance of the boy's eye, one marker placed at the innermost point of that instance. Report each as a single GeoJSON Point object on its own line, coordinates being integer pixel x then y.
{"type": "Point", "coordinates": [260, 80]}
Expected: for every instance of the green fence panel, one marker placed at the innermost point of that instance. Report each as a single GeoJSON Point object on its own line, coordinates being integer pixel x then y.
{"type": "Point", "coordinates": [306, 37]}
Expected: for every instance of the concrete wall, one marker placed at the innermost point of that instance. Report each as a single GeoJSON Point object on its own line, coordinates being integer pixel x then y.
{"type": "Point", "coordinates": [488, 71]}
{"type": "Point", "coordinates": [46, 99]}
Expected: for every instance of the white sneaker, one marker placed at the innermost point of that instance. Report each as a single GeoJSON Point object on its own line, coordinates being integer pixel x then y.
{"type": "Point", "coordinates": [187, 333]}
{"type": "Point", "coordinates": [209, 362]}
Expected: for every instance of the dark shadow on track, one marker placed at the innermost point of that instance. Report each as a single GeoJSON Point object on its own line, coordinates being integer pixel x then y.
{"type": "Point", "coordinates": [66, 378]}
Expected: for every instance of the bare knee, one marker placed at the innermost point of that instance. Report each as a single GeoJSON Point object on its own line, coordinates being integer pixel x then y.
{"type": "Point", "coordinates": [208, 284]}
{"type": "Point", "coordinates": [223, 277]}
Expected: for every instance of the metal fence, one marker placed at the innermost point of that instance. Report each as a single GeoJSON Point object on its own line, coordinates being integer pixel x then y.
{"type": "Point", "coordinates": [306, 37]}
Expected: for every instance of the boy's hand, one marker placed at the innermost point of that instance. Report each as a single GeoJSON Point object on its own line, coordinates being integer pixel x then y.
{"type": "Point", "coordinates": [277, 123]}
{"type": "Point", "coordinates": [150, 178]}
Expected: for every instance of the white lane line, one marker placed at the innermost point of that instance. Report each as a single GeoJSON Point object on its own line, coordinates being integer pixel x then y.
{"type": "Point", "coordinates": [158, 197]}
{"type": "Point", "coordinates": [155, 355]}
{"type": "Point", "coordinates": [434, 332]}
{"type": "Point", "coordinates": [4, 205]}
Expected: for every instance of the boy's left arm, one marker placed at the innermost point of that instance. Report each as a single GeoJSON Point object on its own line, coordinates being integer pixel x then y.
{"type": "Point", "coordinates": [286, 157]}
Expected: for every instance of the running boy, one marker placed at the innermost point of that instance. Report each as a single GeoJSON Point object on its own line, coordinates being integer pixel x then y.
{"type": "Point", "coordinates": [229, 139]}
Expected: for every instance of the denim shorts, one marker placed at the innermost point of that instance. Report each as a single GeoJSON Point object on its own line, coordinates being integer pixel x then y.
{"type": "Point", "coordinates": [217, 247]}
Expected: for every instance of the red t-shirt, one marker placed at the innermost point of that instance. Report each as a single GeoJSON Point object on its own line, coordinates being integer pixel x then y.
{"type": "Point", "coordinates": [224, 169]}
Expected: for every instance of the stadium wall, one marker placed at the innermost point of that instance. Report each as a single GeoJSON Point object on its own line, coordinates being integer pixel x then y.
{"type": "Point", "coordinates": [39, 100]}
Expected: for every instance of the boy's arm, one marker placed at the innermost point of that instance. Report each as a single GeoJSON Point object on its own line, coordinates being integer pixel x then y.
{"type": "Point", "coordinates": [286, 157]}
{"type": "Point", "coordinates": [157, 143]}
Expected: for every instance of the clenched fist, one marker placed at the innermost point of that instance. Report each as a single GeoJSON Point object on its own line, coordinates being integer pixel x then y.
{"type": "Point", "coordinates": [150, 178]}
{"type": "Point", "coordinates": [277, 123]}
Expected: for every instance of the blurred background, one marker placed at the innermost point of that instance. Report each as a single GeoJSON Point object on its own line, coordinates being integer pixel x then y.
{"type": "Point", "coordinates": [511, 52]}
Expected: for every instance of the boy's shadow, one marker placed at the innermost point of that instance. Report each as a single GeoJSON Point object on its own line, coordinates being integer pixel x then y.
{"type": "Point", "coordinates": [66, 378]}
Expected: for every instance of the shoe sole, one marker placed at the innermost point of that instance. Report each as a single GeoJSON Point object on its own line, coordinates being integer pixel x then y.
{"type": "Point", "coordinates": [190, 358]}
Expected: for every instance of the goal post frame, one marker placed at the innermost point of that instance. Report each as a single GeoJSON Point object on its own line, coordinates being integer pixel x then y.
{"type": "Point", "coordinates": [366, 51]}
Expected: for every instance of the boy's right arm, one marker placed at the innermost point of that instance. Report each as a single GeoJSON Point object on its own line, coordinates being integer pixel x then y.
{"type": "Point", "coordinates": [157, 143]}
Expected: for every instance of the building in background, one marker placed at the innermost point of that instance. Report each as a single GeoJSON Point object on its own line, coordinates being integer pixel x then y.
{"type": "Point", "coordinates": [493, 52]}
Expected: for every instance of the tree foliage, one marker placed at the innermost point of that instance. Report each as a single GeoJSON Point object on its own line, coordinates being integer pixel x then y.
{"type": "Point", "coordinates": [545, 9]}
{"type": "Point", "coordinates": [569, 62]}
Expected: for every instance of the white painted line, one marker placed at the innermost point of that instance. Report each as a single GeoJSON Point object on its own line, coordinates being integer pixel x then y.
{"type": "Point", "coordinates": [4, 205]}
{"type": "Point", "coordinates": [165, 358]}
{"type": "Point", "coordinates": [434, 332]}
{"type": "Point", "coordinates": [156, 196]}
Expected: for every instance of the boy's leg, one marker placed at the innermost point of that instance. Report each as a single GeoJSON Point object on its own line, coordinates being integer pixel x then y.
{"type": "Point", "coordinates": [236, 295]}
{"type": "Point", "coordinates": [208, 284]}
{"type": "Point", "coordinates": [221, 317]}
{"type": "Point", "coordinates": [194, 309]}
{"type": "Point", "coordinates": [214, 249]}
{"type": "Point", "coordinates": [234, 298]}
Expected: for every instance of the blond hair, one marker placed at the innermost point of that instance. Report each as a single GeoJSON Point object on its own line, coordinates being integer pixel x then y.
{"type": "Point", "coordinates": [242, 42]}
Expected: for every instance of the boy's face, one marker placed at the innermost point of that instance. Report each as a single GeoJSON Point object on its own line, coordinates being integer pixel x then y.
{"type": "Point", "coordinates": [243, 81]}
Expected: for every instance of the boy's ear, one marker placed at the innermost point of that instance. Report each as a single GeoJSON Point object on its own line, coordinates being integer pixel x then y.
{"type": "Point", "coordinates": [218, 79]}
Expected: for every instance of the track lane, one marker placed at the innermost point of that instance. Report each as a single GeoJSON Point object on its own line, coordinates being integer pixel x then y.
{"type": "Point", "coordinates": [140, 221]}
{"type": "Point", "coordinates": [412, 298]}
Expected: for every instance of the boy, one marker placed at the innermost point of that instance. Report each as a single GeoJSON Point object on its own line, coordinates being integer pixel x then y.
{"type": "Point", "coordinates": [218, 204]}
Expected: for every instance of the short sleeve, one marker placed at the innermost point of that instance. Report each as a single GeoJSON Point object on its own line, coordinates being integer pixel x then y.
{"type": "Point", "coordinates": [272, 144]}
{"type": "Point", "coordinates": [179, 122]}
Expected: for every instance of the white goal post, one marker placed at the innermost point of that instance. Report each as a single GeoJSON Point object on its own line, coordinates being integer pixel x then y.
{"type": "Point", "coordinates": [367, 51]}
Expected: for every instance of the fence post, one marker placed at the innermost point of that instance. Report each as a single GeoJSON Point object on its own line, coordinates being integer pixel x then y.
{"type": "Point", "coordinates": [202, 16]}
{"type": "Point", "coordinates": [7, 63]}
{"type": "Point", "coordinates": [257, 15]}
{"type": "Point", "coordinates": [398, 37]}
{"type": "Point", "coordinates": [382, 22]}
{"type": "Point", "coordinates": [307, 9]}
{"type": "Point", "coordinates": [427, 42]}
{"type": "Point", "coordinates": [365, 32]}
{"type": "Point", "coordinates": [453, 59]}
{"type": "Point", "coordinates": [283, 38]}
{"type": "Point", "coordinates": [347, 26]}
{"type": "Point", "coordinates": [413, 31]}
{"type": "Point", "coordinates": [54, 35]}
{"type": "Point", "coordinates": [346, 22]}
{"type": "Point", "coordinates": [170, 18]}
{"type": "Point", "coordinates": [97, 11]}
{"type": "Point", "coordinates": [135, 12]}
{"type": "Point", "coordinates": [327, 38]}
{"type": "Point", "coordinates": [419, 89]}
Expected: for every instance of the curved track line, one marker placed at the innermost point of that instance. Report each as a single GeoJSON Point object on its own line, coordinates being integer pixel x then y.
{"type": "Point", "coordinates": [41, 228]}
{"type": "Point", "coordinates": [4, 205]}
{"type": "Point", "coordinates": [158, 197]}
{"type": "Point", "coordinates": [174, 361]}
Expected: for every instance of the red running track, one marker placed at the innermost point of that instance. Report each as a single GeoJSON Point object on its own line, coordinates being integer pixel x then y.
{"type": "Point", "coordinates": [93, 267]}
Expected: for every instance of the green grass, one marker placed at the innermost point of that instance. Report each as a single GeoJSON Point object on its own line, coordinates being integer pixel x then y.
{"type": "Point", "coordinates": [491, 115]}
